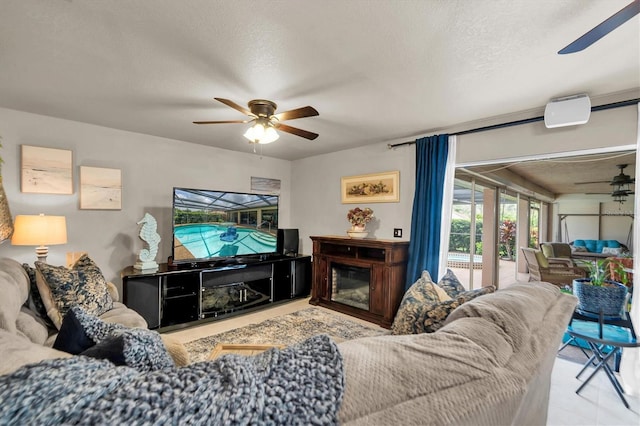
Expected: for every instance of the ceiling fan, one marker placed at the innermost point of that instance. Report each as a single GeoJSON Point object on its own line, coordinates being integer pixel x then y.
{"type": "Point", "coordinates": [265, 121]}
{"type": "Point", "coordinates": [621, 184]}
{"type": "Point", "coordinates": [603, 28]}
{"type": "Point", "coordinates": [620, 179]}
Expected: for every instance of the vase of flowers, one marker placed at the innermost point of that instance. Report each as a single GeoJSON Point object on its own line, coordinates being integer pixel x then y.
{"type": "Point", "coordinates": [359, 218]}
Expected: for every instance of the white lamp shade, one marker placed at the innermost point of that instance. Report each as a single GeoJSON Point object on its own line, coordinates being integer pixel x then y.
{"type": "Point", "coordinates": [270, 135]}
{"type": "Point", "coordinates": [39, 230]}
{"type": "Point", "coordinates": [261, 133]}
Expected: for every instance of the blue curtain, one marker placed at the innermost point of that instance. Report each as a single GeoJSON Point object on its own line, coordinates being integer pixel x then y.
{"type": "Point", "coordinates": [424, 248]}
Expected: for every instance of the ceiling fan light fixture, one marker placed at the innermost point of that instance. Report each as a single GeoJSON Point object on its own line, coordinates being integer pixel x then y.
{"type": "Point", "coordinates": [270, 135]}
{"type": "Point", "coordinates": [621, 185]}
{"type": "Point", "coordinates": [261, 132]}
{"type": "Point", "coordinates": [620, 196]}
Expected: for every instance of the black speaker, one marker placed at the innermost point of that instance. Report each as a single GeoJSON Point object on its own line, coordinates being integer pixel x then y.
{"type": "Point", "coordinates": [287, 242]}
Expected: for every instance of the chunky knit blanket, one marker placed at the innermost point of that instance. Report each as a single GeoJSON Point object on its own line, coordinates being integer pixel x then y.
{"type": "Point", "coordinates": [302, 384]}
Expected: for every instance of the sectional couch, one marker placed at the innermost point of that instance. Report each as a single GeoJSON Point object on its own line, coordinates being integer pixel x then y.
{"type": "Point", "coordinates": [27, 335]}
{"type": "Point", "coordinates": [490, 364]}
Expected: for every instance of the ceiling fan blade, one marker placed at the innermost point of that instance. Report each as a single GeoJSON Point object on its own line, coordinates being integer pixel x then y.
{"type": "Point", "coordinates": [235, 106]}
{"type": "Point", "coordinates": [604, 28]}
{"type": "Point", "coordinates": [221, 122]}
{"type": "Point", "coordinates": [296, 131]}
{"type": "Point", "coordinates": [297, 113]}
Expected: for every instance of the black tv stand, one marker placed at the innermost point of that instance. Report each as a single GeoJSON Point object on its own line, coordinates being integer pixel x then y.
{"type": "Point", "coordinates": [182, 295]}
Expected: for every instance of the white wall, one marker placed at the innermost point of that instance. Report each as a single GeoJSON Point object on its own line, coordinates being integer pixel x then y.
{"type": "Point", "coordinates": [608, 128]}
{"type": "Point", "coordinates": [316, 204]}
{"type": "Point", "coordinates": [611, 226]}
{"type": "Point", "coordinates": [151, 167]}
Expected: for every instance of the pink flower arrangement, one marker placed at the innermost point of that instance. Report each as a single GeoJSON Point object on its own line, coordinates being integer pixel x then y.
{"type": "Point", "coordinates": [360, 217]}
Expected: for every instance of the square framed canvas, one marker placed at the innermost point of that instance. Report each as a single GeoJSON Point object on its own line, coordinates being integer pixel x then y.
{"type": "Point", "coordinates": [371, 188]}
{"type": "Point", "coordinates": [100, 188]}
{"type": "Point", "coordinates": [46, 170]}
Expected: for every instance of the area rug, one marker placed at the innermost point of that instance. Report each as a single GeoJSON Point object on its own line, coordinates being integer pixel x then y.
{"type": "Point", "coordinates": [573, 354]}
{"type": "Point", "coordinates": [286, 330]}
{"type": "Point", "coordinates": [576, 354]}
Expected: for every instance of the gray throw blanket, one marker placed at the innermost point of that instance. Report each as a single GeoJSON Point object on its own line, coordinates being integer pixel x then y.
{"type": "Point", "coordinates": [302, 384]}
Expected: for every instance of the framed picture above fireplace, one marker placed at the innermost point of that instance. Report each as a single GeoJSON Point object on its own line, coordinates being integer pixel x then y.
{"type": "Point", "coordinates": [371, 188]}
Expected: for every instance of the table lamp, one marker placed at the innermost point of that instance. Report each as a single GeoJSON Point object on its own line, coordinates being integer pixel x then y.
{"type": "Point", "coordinates": [40, 231]}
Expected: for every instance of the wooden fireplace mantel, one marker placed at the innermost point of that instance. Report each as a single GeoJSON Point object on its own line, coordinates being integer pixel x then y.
{"type": "Point", "coordinates": [385, 259]}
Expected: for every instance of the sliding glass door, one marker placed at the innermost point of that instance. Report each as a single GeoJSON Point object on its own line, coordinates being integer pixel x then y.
{"type": "Point", "coordinates": [488, 226]}
{"type": "Point", "coordinates": [466, 242]}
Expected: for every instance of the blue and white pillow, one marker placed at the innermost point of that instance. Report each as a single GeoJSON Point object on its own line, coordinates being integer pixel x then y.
{"type": "Point", "coordinates": [61, 288]}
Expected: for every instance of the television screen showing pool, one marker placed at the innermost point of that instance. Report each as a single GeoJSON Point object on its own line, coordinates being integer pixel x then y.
{"type": "Point", "coordinates": [215, 224]}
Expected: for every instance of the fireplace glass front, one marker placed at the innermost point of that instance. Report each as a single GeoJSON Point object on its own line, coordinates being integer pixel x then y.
{"type": "Point", "coordinates": [350, 285]}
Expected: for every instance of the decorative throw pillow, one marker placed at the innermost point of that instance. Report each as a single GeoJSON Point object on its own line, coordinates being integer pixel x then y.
{"type": "Point", "coordinates": [436, 315]}
{"type": "Point", "coordinates": [421, 297]}
{"type": "Point", "coordinates": [547, 250]}
{"type": "Point", "coordinates": [443, 296]}
{"type": "Point", "coordinates": [61, 288]}
{"type": "Point", "coordinates": [543, 262]}
{"type": "Point", "coordinates": [612, 250]}
{"type": "Point", "coordinates": [465, 296]}
{"type": "Point", "coordinates": [451, 284]}
{"type": "Point", "coordinates": [85, 334]}
{"type": "Point", "coordinates": [72, 337]}
{"type": "Point", "coordinates": [578, 249]}
{"type": "Point", "coordinates": [34, 302]}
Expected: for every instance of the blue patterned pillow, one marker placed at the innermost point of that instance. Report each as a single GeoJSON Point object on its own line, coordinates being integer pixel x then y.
{"type": "Point", "coordinates": [83, 285]}
{"type": "Point", "coordinates": [422, 311]}
{"type": "Point", "coordinates": [451, 284]}
{"type": "Point", "coordinates": [421, 298]}
{"type": "Point", "coordinates": [34, 302]}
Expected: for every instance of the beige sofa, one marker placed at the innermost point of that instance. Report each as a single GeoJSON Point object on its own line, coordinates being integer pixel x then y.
{"type": "Point", "coordinates": [25, 337]}
{"type": "Point", "coordinates": [489, 365]}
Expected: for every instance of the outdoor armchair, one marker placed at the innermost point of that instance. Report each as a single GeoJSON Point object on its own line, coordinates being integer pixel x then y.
{"type": "Point", "coordinates": [541, 269]}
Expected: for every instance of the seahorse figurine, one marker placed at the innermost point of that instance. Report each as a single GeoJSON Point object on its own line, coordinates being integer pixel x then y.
{"type": "Point", "coordinates": [148, 234]}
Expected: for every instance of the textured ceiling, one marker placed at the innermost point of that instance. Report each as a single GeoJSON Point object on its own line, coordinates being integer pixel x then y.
{"type": "Point", "coordinates": [376, 71]}
{"type": "Point", "coordinates": [587, 174]}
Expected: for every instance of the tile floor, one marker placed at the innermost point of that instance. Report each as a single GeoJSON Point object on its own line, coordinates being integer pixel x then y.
{"type": "Point", "coordinates": [597, 405]}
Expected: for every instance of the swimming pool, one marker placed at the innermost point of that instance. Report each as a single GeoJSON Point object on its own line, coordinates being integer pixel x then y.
{"type": "Point", "coordinates": [462, 260]}
{"type": "Point", "coordinates": [203, 241]}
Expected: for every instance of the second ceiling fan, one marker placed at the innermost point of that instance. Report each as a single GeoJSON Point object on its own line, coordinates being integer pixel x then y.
{"type": "Point", "coordinates": [266, 121]}
{"type": "Point", "coordinates": [603, 28]}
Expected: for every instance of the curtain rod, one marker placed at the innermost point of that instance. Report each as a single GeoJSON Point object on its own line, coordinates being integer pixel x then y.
{"type": "Point", "coordinates": [524, 121]}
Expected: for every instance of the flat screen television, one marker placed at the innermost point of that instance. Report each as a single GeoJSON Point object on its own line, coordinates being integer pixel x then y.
{"type": "Point", "coordinates": [213, 225]}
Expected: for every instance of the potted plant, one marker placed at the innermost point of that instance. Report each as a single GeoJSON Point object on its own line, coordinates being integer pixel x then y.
{"type": "Point", "coordinates": [597, 293]}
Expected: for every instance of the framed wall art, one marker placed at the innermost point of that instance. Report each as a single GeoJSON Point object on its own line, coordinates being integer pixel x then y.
{"type": "Point", "coordinates": [371, 188]}
{"type": "Point", "coordinates": [272, 186]}
{"type": "Point", "coordinates": [46, 170]}
{"type": "Point", "coordinates": [100, 188]}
